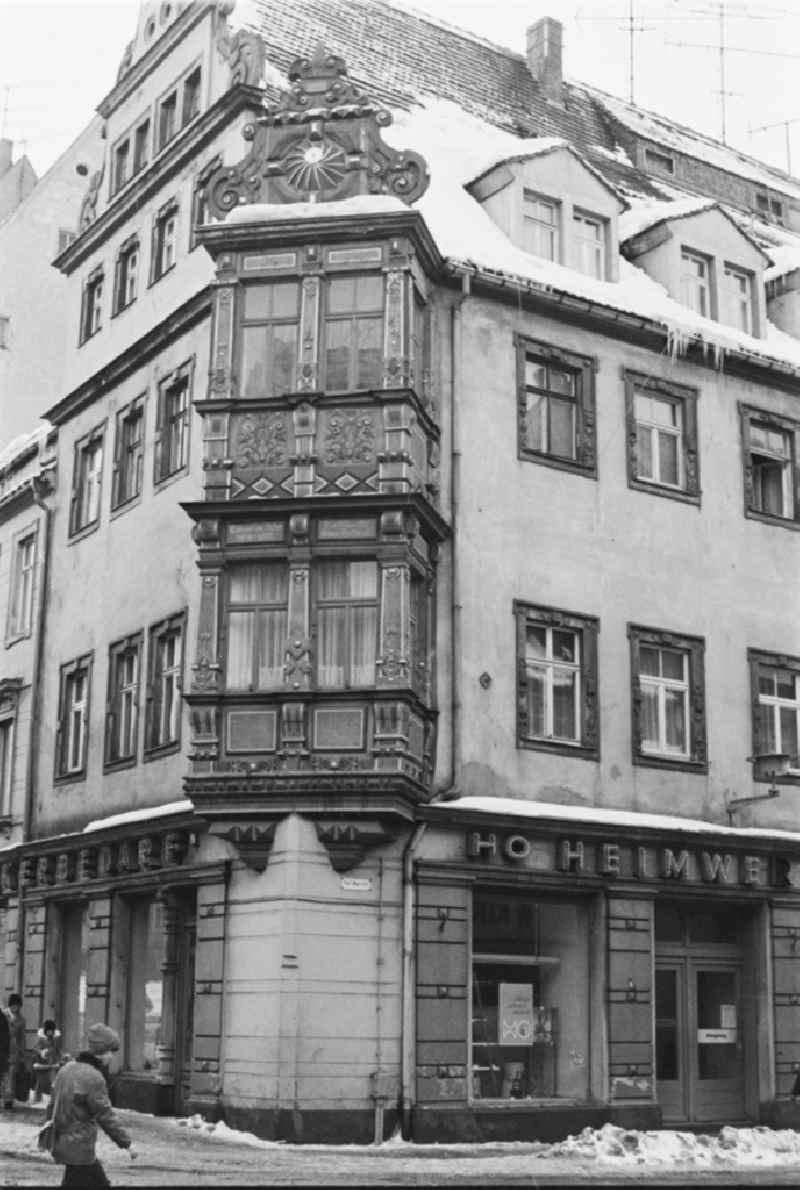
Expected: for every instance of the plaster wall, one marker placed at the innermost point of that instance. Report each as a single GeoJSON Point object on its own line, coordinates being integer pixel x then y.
{"type": "Point", "coordinates": [135, 568]}
{"type": "Point", "coordinates": [312, 976]}
{"type": "Point", "coordinates": [597, 547]}
{"type": "Point", "coordinates": [34, 295]}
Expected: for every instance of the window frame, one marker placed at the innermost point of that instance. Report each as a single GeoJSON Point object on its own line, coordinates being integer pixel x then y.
{"type": "Point", "coordinates": [182, 376]}
{"type": "Point", "coordinates": [581, 217]}
{"type": "Point", "coordinates": [253, 606]}
{"type": "Point", "coordinates": [351, 317]}
{"type": "Point", "coordinates": [750, 415]}
{"type": "Point", "coordinates": [121, 152]}
{"type": "Point", "coordinates": [195, 94]}
{"type": "Point", "coordinates": [759, 660]}
{"type": "Point", "coordinates": [116, 690]}
{"type": "Point", "coordinates": [168, 213]}
{"type": "Point", "coordinates": [689, 491]}
{"type": "Point", "coordinates": [726, 296]}
{"type": "Point", "coordinates": [695, 759]}
{"type": "Point", "coordinates": [556, 230]}
{"type": "Point", "coordinates": [267, 324]}
{"type": "Point", "coordinates": [92, 305]}
{"type": "Point", "coordinates": [348, 604]}
{"type": "Point", "coordinates": [68, 674]}
{"type": "Point", "coordinates": [94, 439]}
{"type": "Point", "coordinates": [21, 627]}
{"type": "Point", "coordinates": [141, 144]}
{"type": "Point", "coordinates": [585, 367]}
{"type": "Point", "coordinates": [122, 274]}
{"type": "Point", "coordinates": [199, 199]}
{"type": "Point", "coordinates": [587, 627]}
{"type": "Point", "coordinates": [125, 451]}
{"type": "Point", "coordinates": [5, 327]}
{"type": "Point", "coordinates": [691, 254]}
{"type": "Point", "coordinates": [171, 626]}
{"type": "Point", "coordinates": [7, 747]}
{"type": "Point", "coordinates": [168, 99]}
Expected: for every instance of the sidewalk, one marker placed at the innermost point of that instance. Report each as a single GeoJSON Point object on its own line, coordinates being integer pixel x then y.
{"type": "Point", "coordinates": [173, 1153]}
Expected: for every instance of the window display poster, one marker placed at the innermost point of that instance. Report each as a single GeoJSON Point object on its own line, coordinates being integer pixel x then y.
{"type": "Point", "coordinates": [515, 1015]}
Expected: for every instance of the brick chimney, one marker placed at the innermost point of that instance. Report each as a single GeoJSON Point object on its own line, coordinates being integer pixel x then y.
{"type": "Point", "coordinates": [6, 148]}
{"type": "Point", "coordinates": [543, 51]}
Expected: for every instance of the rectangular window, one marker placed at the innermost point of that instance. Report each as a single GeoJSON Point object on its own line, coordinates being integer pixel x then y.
{"type": "Point", "coordinates": [20, 605]}
{"type": "Point", "coordinates": [86, 481]}
{"type": "Point", "coordinates": [736, 299]}
{"type": "Point", "coordinates": [167, 119]}
{"type": "Point", "coordinates": [270, 317]}
{"type": "Point", "coordinates": [191, 96]}
{"type": "Point", "coordinates": [346, 608]}
{"type": "Point", "coordinates": [144, 1006]}
{"type": "Point", "coordinates": [73, 717]}
{"type": "Point", "coordinates": [92, 312]}
{"type": "Point", "coordinates": [771, 480]}
{"type": "Point", "coordinates": [172, 425]}
{"type": "Point", "coordinates": [557, 680]}
{"type": "Point", "coordinates": [141, 145]}
{"type": "Point", "coordinates": [530, 997]}
{"type": "Point", "coordinates": [165, 238]}
{"type": "Point", "coordinates": [122, 706]}
{"type": "Point", "coordinates": [695, 283]}
{"type": "Point", "coordinates": [556, 406]}
{"type": "Point", "coordinates": [540, 226]}
{"type": "Point", "coordinates": [128, 454]}
{"type": "Point", "coordinates": [5, 323]}
{"type": "Point", "coordinates": [258, 619]}
{"type": "Point", "coordinates": [353, 332]}
{"type": "Point", "coordinates": [165, 680]}
{"type": "Point", "coordinates": [589, 245]}
{"type": "Point", "coordinates": [668, 699]}
{"type": "Point", "coordinates": [6, 770]}
{"type": "Point", "coordinates": [200, 211]}
{"type": "Point", "coordinates": [663, 455]}
{"type": "Point", "coordinates": [775, 683]}
{"type": "Point", "coordinates": [127, 274]}
{"type": "Point", "coordinates": [121, 165]}
{"type": "Point", "coordinates": [65, 238]}
{"type": "Point", "coordinates": [661, 161]}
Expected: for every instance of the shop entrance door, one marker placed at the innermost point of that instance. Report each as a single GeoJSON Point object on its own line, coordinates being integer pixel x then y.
{"type": "Point", "coordinates": [699, 1050]}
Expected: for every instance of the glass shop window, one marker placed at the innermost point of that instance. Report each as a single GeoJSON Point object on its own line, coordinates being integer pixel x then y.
{"type": "Point", "coordinates": [73, 974]}
{"type": "Point", "coordinates": [144, 1013]}
{"type": "Point", "coordinates": [530, 998]}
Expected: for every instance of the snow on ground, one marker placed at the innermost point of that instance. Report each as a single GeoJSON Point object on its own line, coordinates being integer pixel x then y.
{"type": "Point", "coordinates": [608, 1145]}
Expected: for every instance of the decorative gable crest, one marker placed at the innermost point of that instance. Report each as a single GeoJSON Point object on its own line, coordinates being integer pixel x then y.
{"type": "Point", "coordinates": [319, 142]}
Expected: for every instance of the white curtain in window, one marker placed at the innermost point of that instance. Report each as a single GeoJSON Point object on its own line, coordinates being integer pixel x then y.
{"type": "Point", "coordinates": [241, 643]}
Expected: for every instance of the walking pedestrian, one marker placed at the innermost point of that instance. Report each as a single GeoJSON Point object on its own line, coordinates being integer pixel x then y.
{"type": "Point", "coordinates": [15, 1077]}
{"type": "Point", "coordinates": [79, 1103]}
{"type": "Point", "coordinates": [5, 1046]}
{"type": "Point", "coordinates": [48, 1060]}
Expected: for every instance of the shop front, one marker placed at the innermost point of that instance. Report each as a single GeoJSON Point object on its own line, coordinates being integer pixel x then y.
{"type": "Point", "coordinates": [577, 972]}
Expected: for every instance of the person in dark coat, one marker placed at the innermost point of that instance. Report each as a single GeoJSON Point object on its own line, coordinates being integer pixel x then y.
{"type": "Point", "coordinates": [16, 1071]}
{"type": "Point", "coordinates": [79, 1103]}
{"type": "Point", "coordinates": [5, 1050]}
{"type": "Point", "coordinates": [48, 1059]}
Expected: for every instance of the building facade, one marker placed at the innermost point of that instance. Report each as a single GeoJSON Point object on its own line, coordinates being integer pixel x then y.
{"type": "Point", "coordinates": [419, 714]}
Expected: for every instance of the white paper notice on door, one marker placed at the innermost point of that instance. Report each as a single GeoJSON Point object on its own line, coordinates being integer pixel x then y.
{"type": "Point", "coordinates": [727, 1016]}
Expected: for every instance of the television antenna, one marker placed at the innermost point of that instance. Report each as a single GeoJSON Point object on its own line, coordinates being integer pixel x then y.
{"type": "Point", "coordinates": [785, 125]}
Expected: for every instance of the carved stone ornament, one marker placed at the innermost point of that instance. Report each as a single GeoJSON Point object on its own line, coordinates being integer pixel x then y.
{"type": "Point", "coordinates": [319, 143]}
{"type": "Point", "coordinates": [89, 205]}
{"type": "Point", "coordinates": [245, 53]}
{"type": "Point", "coordinates": [253, 841]}
{"type": "Point", "coordinates": [347, 842]}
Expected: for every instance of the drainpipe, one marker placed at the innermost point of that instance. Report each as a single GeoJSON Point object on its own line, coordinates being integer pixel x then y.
{"type": "Point", "coordinates": [41, 486]}
{"type": "Point", "coordinates": [408, 999]}
{"type": "Point", "coordinates": [456, 332]}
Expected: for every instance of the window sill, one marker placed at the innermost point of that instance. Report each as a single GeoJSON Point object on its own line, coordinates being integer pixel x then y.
{"type": "Point", "coordinates": [767, 518]}
{"type": "Point", "coordinates": [579, 751]}
{"type": "Point", "coordinates": [121, 309]}
{"type": "Point", "coordinates": [70, 778]}
{"type": "Point", "coordinates": [653, 760]}
{"type": "Point", "coordinates": [84, 531]}
{"type": "Point", "coordinates": [154, 280]}
{"type": "Point", "coordinates": [14, 638]}
{"type": "Point", "coordinates": [125, 506]}
{"type": "Point", "coordinates": [114, 766]}
{"type": "Point", "coordinates": [657, 489]}
{"type": "Point", "coordinates": [588, 470]}
{"type": "Point", "coordinates": [166, 480]}
{"type": "Point", "coordinates": [162, 750]}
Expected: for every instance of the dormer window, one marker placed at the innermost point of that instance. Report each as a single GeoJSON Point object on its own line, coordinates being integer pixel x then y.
{"type": "Point", "coordinates": [540, 226]}
{"type": "Point", "coordinates": [589, 245]}
{"type": "Point", "coordinates": [695, 283]}
{"type": "Point", "coordinates": [736, 299]}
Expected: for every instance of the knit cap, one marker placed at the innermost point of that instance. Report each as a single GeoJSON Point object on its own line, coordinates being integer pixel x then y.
{"type": "Point", "coordinates": [100, 1039]}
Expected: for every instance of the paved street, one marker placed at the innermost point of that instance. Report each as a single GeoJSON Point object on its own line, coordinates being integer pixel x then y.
{"type": "Point", "coordinates": [174, 1155]}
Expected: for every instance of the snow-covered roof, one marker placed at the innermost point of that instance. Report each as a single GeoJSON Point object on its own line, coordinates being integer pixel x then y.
{"type": "Point", "coordinates": [630, 819]}
{"type": "Point", "coordinates": [144, 815]}
{"type": "Point", "coordinates": [530, 147]}
{"type": "Point", "coordinates": [647, 215]}
{"type": "Point", "coordinates": [663, 131]}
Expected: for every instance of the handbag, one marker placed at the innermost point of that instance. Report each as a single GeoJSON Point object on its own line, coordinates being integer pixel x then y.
{"type": "Point", "coordinates": [46, 1139]}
